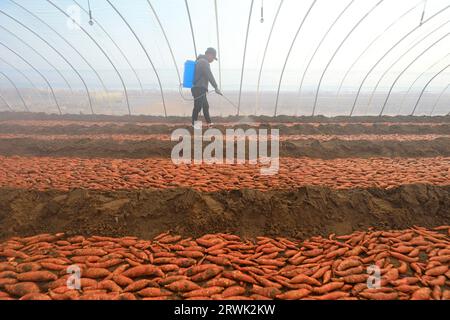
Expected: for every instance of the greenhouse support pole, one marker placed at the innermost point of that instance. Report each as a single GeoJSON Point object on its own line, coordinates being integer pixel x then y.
{"type": "Point", "coordinates": [57, 52]}
{"type": "Point", "coordinates": [426, 86]}
{"type": "Point", "coordinates": [42, 57]}
{"type": "Point", "coordinates": [439, 98]}
{"type": "Point", "coordinates": [401, 57]}
{"type": "Point", "coordinates": [406, 68]}
{"type": "Point", "coordinates": [387, 53]}
{"type": "Point", "coordinates": [6, 103]}
{"type": "Point", "coordinates": [417, 79]}
{"type": "Point", "coordinates": [320, 45]}
{"type": "Point", "coordinates": [17, 90]}
{"type": "Point", "coordinates": [243, 58]}
{"type": "Point", "coordinates": [289, 53]}
{"type": "Point", "coordinates": [38, 72]}
{"type": "Point", "coordinates": [101, 49]}
{"type": "Point", "coordinates": [22, 74]}
{"type": "Point", "coordinates": [372, 43]}
{"type": "Point", "coordinates": [336, 52]}
{"type": "Point", "coordinates": [146, 53]}
{"type": "Point", "coordinates": [115, 44]}
{"type": "Point", "coordinates": [216, 10]}
{"type": "Point", "coordinates": [264, 56]}
{"type": "Point", "coordinates": [69, 44]}
{"type": "Point", "coordinates": [167, 40]}
{"type": "Point", "coordinates": [192, 28]}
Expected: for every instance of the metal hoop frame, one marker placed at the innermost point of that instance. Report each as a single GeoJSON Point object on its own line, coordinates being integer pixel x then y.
{"type": "Point", "coordinates": [17, 90]}
{"type": "Point", "coordinates": [243, 58]}
{"type": "Point", "coordinates": [407, 67]}
{"type": "Point", "coordinates": [336, 52]}
{"type": "Point", "coordinates": [37, 71]}
{"type": "Point", "coordinates": [289, 53]}
{"type": "Point", "coordinates": [426, 86]}
{"type": "Point", "coordinates": [101, 49]}
{"type": "Point", "coordinates": [145, 51]}
{"type": "Point", "coordinates": [389, 51]}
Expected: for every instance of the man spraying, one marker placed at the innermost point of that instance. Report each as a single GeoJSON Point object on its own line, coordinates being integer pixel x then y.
{"type": "Point", "coordinates": [203, 76]}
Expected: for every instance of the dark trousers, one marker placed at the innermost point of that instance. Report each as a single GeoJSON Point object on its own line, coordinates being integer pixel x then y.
{"type": "Point", "coordinates": [200, 103]}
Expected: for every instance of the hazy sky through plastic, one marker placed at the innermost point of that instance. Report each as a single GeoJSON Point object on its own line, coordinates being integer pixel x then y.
{"type": "Point", "coordinates": [233, 19]}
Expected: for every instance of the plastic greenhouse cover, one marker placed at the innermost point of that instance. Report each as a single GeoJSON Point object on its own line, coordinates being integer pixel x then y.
{"type": "Point", "coordinates": [275, 56]}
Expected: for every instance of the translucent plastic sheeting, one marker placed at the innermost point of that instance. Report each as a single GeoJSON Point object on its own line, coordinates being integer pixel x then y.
{"type": "Point", "coordinates": [130, 57]}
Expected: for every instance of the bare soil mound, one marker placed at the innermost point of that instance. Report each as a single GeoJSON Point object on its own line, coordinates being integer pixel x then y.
{"type": "Point", "coordinates": [261, 119]}
{"type": "Point", "coordinates": [300, 213]}
{"type": "Point", "coordinates": [78, 128]}
{"type": "Point", "coordinates": [332, 149]}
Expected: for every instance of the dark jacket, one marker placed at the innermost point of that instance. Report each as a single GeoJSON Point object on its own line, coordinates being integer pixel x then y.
{"type": "Point", "coordinates": [203, 74]}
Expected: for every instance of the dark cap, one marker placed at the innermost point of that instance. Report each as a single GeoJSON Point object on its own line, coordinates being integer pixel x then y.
{"type": "Point", "coordinates": [212, 51]}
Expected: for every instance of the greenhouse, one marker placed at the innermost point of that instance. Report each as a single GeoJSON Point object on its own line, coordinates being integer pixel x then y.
{"type": "Point", "coordinates": [250, 151]}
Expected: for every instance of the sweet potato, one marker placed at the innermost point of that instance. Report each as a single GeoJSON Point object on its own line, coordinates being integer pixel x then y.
{"type": "Point", "coordinates": [355, 270]}
{"type": "Point", "coordinates": [6, 266]}
{"type": "Point", "coordinates": [143, 270]}
{"type": "Point", "coordinates": [89, 252]}
{"type": "Point", "coordinates": [207, 274]}
{"type": "Point", "coordinates": [29, 266]}
{"type": "Point", "coordinates": [154, 292]}
{"type": "Point", "coordinates": [95, 273]}
{"type": "Point", "coordinates": [140, 284]}
{"type": "Point", "coordinates": [182, 286]}
{"type": "Point", "coordinates": [239, 276]}
{"type": "Point", "coordinates": [437, 293]}
{"type": "Point", "coordinates": [109, 285]}
{"type": "Point", "coordinates": [355, 278]}
{"type": "Point", "coordinates": [184, 262]}
{"type": "Point", "coordinates": [169, 267]}
{"type": "Point", "coordinates": [126, 296]}
{"type": "Point", "coordinates": [220, 282]}
{"type": "Point", "coordinates": [199, 268]}
{"type": "Point", "coordinates": [269, 292]}
{"type": "Point", "coordinates": [301, 278]}
{"type": "Point", "coordinates": [328, 287]}
{"type": "Point", "coordinates": [319, 273]}
{"type": "Point", "coordinates": [6, 281]}
{"type": "Point", "coordinates": [105, 264]}
{"type": "Point", "coordinates": [206, 292]}
{"type": "Point", "coordinates": [265, 282]}
{"type": "Point", "coordinates": [88, 283]}
{"type": "Point", "coordinates": [170, 279]}
{"type": "Point", "coordinates": [8, 274]}
{"type": "Point", "coordinates": [335, 295]}
{"type": "Point", "coordinates": [233, 291]}
{"type": "Point", "coordinates": [36, 276]}
{"type": "Point", "coordinates": [402, 257]}
{"type": "Point", "coordinates": [121, 280]}
{"type": "Point", "coordinates": [347, 264]}
{"type": "Point", "coordinates": [35, 296]}
{"type": "Point", "coordinates": [22, 288]}
{"type": "Point", "coordinates": [169, 239]}
{"type": "Point", "coordinates": [436, 271]}
{"type": "Point", "coordinates": [421, 294]}
{"type": "Point", "coordinates": [294, 294]}
{"type": "Point", "coordinates": [379, 295]}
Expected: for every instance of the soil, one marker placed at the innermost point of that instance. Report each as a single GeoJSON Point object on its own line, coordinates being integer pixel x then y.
{"type": "Point", "coordinates": [77, 128]}
{"type": "Point", "coordinates": [261, 119]}
{"type": "Point", "coordinates": [299, 213]}
{"type": "Point", "coordinates": [332, 149]}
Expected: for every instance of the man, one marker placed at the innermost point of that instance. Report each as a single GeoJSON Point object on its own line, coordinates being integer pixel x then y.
{"type": "Point", "coordinates": [203, 76]}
